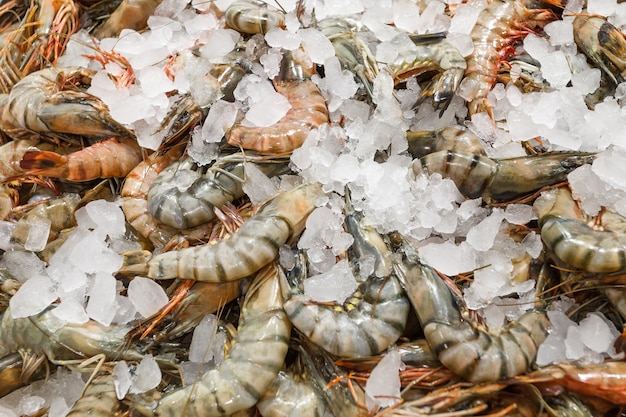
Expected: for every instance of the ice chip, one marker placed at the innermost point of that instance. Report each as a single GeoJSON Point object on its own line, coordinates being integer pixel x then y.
{"type": "Point", "coordinates": [382, 388]}
{"type": "Point", "coordinates": [122, 379]}
{"type": "Point", "coordinates": [33, 297]}
{"type": "Point", "coordinates": [337, 284]}
{"type": "Point", "coordinates": [147, 375]}
{"type": "Point", "coordinates": [146, 295]}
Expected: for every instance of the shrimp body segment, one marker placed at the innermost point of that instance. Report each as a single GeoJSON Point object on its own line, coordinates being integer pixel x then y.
{"type": "Point", "coordinates": [255, 358]}
{"type": "Point", "coordinates": [501, 180]}
{"type": "Point", "coordinates": [253, 16]}
{"type": "Point", "coordinates": [254, 245]}
{"type": "Point", "coordinates": [466, 349]}
{"type": "Point", "coordinates": [591, 247]}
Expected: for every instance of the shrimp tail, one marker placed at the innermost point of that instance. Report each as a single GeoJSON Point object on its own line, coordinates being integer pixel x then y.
{"type": "Point", "coordinates": [44, 163]}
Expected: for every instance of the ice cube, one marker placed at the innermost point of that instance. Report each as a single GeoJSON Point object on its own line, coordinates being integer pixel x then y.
{"type": "Point", "coordinates": [146, 295]}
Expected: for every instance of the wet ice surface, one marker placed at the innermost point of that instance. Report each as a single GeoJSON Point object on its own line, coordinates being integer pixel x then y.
{"type": "Point", "coordinates": [453, 235]}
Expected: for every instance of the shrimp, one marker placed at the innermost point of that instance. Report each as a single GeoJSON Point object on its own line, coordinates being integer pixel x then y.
{"type": "Point", "coordinates": [498, 27]}
{"type": "Point", "coordinates": [308, 111]}
{"type": "Point", "coordinates": [58, 340]}
{"type": "Point", "coordinates": [466, 349]}
{"type": "Point", "coordinates": [603, 43]}
{"type": "Point", "coordinates": [604, 380]}
{"type": "Point", "coordinates": [447, 138]}
{"type": "Point", "coordinates": [114, 157]}
{"type": "Point", "coordinates": [251, 247]}
{"type": "Point", "coordinates": [253, 16]}
{"type": "Point", "coordinates": [39, 40]}
{"type": "Point", "coordinates": [597, 246]}
{"type": "Point", "coordinates": [501, 180]}
{"type": "Point", "coordinates": [431, 53]}
{"type": "Point", "coordinates": [220, 184]}
{"type": "Point", "coordinates": [134, 196]}
{"type": "Point", "coordinates": [98, 399]}
{"type": "Point", "coordinates": [370, 320]}
{"type": "Point", "coordinates": [11, 153]}
{"type": "Point", "coordinates": [253, 362]}
{"type": "Point", "coordinates": [130, 14]}
{"type": "Point", "coordinates": [50, 104]}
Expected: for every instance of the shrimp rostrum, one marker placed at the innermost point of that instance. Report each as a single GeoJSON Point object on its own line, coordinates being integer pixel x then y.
{"type": "Point", "coordinates": [254, 245]}
{"type": "Point", "coordinates": [467, 350]}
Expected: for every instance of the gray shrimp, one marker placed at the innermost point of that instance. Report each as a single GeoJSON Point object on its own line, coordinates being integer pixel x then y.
{"type": "Point", "coordinates": [253, 16]}
{"type": "Point", "coordinates": [370, 320]}
{"type": "Point", "coordinates": [431, 53]}
{"type": "Point", "coordinates": [254, 360]}
{"type": "Point", "coordinates": [593, 246]}
{"type": "Point", "coordinates": [501, 180]}
{"type": "Point", "coordinates": [467, 350]}
{"type": "Point", "coordinates": [254, 245]}
{"type": "Point", "coordinates": [602, 43]}
{"type": "Point", "coordinates": [447, 138]}
{"type": "Point", "coordinates": [99, 399]}
{"type": "Point", "coordinates": [220, 184]}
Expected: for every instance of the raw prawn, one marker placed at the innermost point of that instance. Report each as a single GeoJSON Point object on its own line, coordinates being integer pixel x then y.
{"type": "Point", "coordinates": [308, 111]}
{"type": "Point", "coordinates": [251, 247]}
{"type": "Point", "coordinates": [130, 14]}
{"type": "Point", "coordinates": [253, 16]}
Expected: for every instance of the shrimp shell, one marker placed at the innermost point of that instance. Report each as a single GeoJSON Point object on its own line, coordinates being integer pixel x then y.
{"type": "Point", "coordinates": [98, 400]}
{"type": "Point", "coordinates": [250, 248]}
{"type": "Point", "coordinates": [130, 14]}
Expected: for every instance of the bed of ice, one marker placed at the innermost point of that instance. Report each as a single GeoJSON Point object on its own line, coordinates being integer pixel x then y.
{"type": "Point", "coordinates": [454, 235]}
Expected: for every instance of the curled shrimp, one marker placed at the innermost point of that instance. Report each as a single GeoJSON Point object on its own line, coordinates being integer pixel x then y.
{"type": "Point", "coordinates": [501, 180]}
{"type": "Point", "coordinates": [370, 320]}
{"type": "Point", "coordinates": [466, 349]}
{"type": "Point", "coordinates": [308, 111]}
{"type": "Point", "coordinates": [130, 14]}
{"type": "Point", "coordinates": [185, 207]}
{"type": "Point", "coordinates": [253, 16]}
{"type": "Point", "coordinates": [113, 157]}
{"type": "Point", "coordinates": [447, 138]}
{"type": "Point", "coordinates": [254, 245]}
{"type": "Point", "coordinates": [254, 359]}
{"type": "Point", "coordinates": [603, 43]}
{"type": "Point", "coordinates": [595, 246]}
{"type": "Point", "coordinates": [431, 53]}
{"type": "Point", "coordinates": [134, 196]}
{"type": "Point", "coordinates": [495, 32]}
{"type": "Point", "coordinates": [49, 103]}
{"type": "Point", "coordinates": [350, 49]}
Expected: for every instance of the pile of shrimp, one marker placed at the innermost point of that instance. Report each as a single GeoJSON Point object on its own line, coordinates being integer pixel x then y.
{"type": "Point", "coordinates": [390, 141]}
